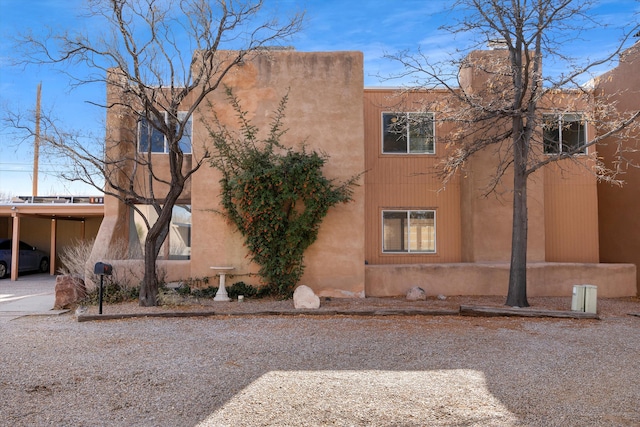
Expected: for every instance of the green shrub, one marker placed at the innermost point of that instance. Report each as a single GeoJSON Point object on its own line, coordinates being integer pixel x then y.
{"type": "Point", "coordinates": [208, 292]}
{"type": "Point", "coordinates": [184, 290]}
{"type": "Point", "coordinates": [241, 288]}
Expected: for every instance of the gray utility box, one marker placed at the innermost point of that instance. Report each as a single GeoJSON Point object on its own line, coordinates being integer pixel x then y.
{"type": "Point", "coordinates": [585, 298]}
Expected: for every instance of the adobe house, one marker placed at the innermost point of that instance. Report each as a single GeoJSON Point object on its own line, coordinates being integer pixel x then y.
{"type": "Point", "coordinates": [619, 207]}
{"type": "Point", "coordinates": [400, 231]}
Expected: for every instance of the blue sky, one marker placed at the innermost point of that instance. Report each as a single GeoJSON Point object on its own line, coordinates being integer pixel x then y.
{"type": "Point", "coordinates": [375, 27]}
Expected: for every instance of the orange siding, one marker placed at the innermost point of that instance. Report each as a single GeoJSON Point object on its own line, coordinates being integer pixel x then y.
{"type": "Point", "coordinates": [405, 182]}
{"type": "Point", "coordinates": [571, 214]}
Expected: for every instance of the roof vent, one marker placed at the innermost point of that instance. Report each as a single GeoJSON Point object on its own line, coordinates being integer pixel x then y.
{"type": "Point", "coordinates": [497, 44]}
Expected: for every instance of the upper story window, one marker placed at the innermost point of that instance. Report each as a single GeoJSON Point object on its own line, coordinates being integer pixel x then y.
{"type": "Point", "coordinates": [148, 135]}
{"type": "Point", "coordinates": [564, 133]}
{"type": "Point", "coordinates": [408, 133]}
{"type": "Point", "coordinates": [409, 231]}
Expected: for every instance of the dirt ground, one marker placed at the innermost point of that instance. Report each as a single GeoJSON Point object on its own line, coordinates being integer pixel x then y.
{"type": "Point", "coordinates": [607, 307]}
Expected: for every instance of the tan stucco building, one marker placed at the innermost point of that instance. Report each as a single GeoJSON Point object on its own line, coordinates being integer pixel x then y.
{"type": "Point", "coordinates": [619, 206]}
{"type": "Point", "coordinates": [402, 229]}
{"type": "Point", "coordinates": [324, 111]}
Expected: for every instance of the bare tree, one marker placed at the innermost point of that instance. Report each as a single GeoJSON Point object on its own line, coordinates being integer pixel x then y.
{"type": "Point", "coordinates": [161, 59]}
{"type": "Point", "coordinates": [518, 110]}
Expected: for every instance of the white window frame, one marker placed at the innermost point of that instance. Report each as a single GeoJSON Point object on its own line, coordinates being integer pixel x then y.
{"type": "Point", "coordinates": [559, 119]}
{"type": "Point", "coordinates": [408, 132]}
{"type": "Point", "coordinates": [408, 244]}
{"type": "Point", "coordinates": [186, 147]}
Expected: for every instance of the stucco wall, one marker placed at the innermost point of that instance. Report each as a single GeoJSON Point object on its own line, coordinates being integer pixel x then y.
{"type": "Point", "coordinates": [543, 279]}
{"type": "Point", "coordinates": [619, 207]}
{"type": "Point", "coordinates": [324, 111]}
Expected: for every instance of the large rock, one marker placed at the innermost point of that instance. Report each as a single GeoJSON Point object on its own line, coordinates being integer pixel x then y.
{"type": "Point", "coordinates": [304, 297]}
{"type": "Point", "coordinates": [69, 290]}
{"type": "Point", "coordinates": [416, 294]}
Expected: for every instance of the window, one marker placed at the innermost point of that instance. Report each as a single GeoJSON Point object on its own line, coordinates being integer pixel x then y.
{"type": "Point", "coordinates": [177, 246]}
{"type": "Point", "coordinates": [408, 133]}
{"type": "Point", "coordinates": [149, 135]}
{"type": "Point", "coordinates": [409, 231]}
{"type": "Point", "coordinates": [564, 133]}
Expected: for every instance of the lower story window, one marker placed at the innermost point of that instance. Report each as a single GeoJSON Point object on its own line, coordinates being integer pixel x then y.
{"type": "Point", "coordinates": [178, 243]}
{"type": "Point", "coordinates": [409, 231]}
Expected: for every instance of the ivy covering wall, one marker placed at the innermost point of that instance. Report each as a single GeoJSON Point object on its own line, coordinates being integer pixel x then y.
{"type": "Point", "coordinates": [276, 196]}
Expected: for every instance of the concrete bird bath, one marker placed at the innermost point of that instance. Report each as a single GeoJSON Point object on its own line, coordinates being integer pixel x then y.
{"type": "Point", "coordinates": [221, 295]}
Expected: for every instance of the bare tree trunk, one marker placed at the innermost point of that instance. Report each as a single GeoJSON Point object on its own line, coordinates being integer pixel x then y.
{"type": "Point", "coordinates": [517, 294]}
{"type": "Point", "coordinates": [154, 240]}
{"type": "Point", "coordinates": [149, 288]}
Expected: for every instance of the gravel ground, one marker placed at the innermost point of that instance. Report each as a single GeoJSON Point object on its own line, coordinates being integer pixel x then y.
{"type": "Point", "coordinates": [324, 370]}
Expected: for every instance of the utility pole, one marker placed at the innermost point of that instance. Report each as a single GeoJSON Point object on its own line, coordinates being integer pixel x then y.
{"type": "Point", "coordinates": [36, 144]}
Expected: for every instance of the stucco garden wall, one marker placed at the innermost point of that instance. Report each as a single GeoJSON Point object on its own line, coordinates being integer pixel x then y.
{"type": "Point", "coordinates": [544, 279]}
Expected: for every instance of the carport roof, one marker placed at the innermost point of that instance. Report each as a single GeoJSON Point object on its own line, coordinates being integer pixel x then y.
{"type": "Point", "coordinates": [54, 207]}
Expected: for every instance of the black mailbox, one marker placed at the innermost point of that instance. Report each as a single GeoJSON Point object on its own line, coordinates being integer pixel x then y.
{"type": "Point", "coordinates": [103, 269]}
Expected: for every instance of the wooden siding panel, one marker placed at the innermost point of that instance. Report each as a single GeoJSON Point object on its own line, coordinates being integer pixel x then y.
{"type": "Point", "coordinates": [405, 182]}
{"type": "Point", "coordinates": [571, 214]}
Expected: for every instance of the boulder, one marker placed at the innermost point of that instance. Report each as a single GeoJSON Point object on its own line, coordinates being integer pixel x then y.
{"type": "Point", "coordinates": [69, 290]}
{"type": "Point", "coordinates": [416, 294]}
{"type": "Point", "coordinates": [304, 297]}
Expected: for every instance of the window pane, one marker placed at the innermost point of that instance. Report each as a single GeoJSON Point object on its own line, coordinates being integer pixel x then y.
{"type": "Point", "coordinates": [138, 229]}
{"type": "Point", "coordinates": [422, 231]}
{"type": "Point", "coordinates": [185, 141]}
{"type": "Point", "coordinates": [394, 138]}
{"type": "Point", "coordinates": [180, 233]}
{"type": "Point", "coordinates": [178, 240]}
{"type": "Point", "coordinates": [409, 231]}
{"type": "Point", "coordinates": [395, 230]}
{"type": "Point", "coordinates": [421, 133]}
{"type": "Point", "coordinates": [572, 133]}
{"type": "Point", "coordinates": [551, 134]}
{"type": "Point", "coordinates": [148, 134]}
{"type": "Point", "coordinates": [564, 133]}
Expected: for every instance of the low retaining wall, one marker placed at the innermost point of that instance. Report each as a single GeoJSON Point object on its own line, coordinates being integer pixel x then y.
{"type": "Point", "coordinates": [544, 279]}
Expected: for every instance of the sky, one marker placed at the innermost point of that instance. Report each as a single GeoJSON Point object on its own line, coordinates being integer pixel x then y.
{"type": "Point", "coordinates": [374, 27]}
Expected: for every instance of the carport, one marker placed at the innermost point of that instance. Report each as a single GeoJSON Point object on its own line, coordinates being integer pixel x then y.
{"type": "Point", "coordinates": [50, 221]}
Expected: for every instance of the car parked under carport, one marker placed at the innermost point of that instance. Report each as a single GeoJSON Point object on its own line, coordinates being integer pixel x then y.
{"type": "Point", "coordinates": [29, 258]}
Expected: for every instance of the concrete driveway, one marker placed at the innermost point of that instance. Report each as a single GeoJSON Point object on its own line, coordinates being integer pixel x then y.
{"type": "Point", "coordinates": [31, 294]}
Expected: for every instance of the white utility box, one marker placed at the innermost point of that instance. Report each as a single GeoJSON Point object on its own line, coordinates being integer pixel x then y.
{"type": "Point", "coordinates": [585, 298]}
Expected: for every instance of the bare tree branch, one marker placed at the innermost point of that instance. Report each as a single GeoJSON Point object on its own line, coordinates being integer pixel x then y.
{"type": "Point", "coordinates": [159, 60]}
{"type": "Point", "coordinates": [506, 110]}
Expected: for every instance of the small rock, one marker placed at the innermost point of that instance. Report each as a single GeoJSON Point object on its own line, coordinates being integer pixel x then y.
{"type": "Point", "coordinates": [442, 297]}
{"type": "Point", "coordinates": [416, 294]}
{"type": "Point", "coordinates": [304, 297]}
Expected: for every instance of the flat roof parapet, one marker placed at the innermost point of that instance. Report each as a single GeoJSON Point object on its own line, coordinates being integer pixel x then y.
{"type": "Point", "coordinates": [58, 199]}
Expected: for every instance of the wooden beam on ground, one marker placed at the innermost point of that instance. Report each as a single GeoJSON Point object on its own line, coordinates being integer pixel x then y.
{"type": "Point", "coordinates": [292, 312]}
{"type": "Point", "coordinates": [474, 310]}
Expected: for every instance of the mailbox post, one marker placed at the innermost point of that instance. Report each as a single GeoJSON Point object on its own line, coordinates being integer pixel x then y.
{"type": "Point", "coordinates": [103, 270]}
